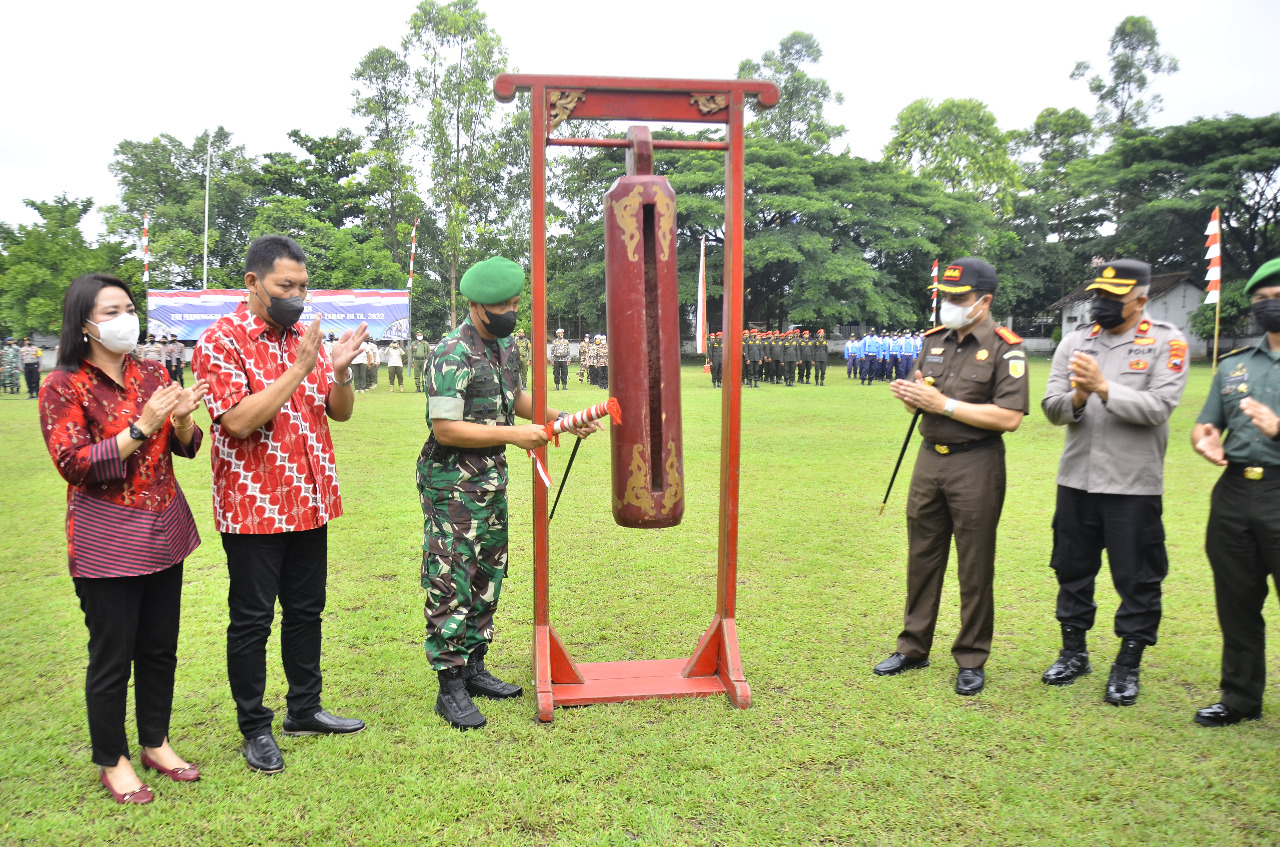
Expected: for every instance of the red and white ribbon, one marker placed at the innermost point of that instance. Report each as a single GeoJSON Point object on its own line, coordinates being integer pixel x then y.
{"type": "Point", "coordinates": [146, 249]}
{"type": "Point", "coordinates": [1214, 255]}
{"type": "Point", "coordinates": [933, 280]}
{"type": "Point", "coordinates": [542, 472]}
{"type": "Point", "coordinates": [413, 250]}
{"type": "Point", "coordinates": [608, 408]}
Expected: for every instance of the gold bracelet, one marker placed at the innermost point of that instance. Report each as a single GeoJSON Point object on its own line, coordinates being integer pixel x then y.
{"type": "Point", "coordinates": [181, 428]}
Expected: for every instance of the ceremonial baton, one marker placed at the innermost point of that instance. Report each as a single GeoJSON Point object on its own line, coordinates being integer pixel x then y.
{"type": "Point", "coordinates": [609, 408]}
{"type": "Point", "coordinates": [910, 431]}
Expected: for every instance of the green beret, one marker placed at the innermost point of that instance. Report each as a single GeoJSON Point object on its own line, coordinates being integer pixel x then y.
{"type": "Point", "coordinates": [495, 280]}
{"type": "Point", "coordinates": [1268, 274]}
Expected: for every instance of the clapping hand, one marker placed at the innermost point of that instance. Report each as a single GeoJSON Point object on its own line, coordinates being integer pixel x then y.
{"type": "Point", "coordinates": [346, 348]}
{"type": "Point", "coordinates": [1210, 445]}
{"type": "Point", "coordinates": [189, 399]}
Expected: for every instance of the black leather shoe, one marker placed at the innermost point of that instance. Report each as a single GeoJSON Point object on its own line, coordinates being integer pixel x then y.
{"type": "Point", "coordinates": [454, 703]}
{"type": "Point", "coordinates": [1070, 664]}
{"type": "Point", "coordinates": [970, 681]}
{"type": "Point", "coordinates": [1122, 686]}
{"type": "Point", "coordinates": [262, 754]}
{"type": "Point", "coordinates": [481, 683]}
{"type": "Point", "coordinates": [1220, 714]}
{"type": "Point", "coordinates": [321, 723]}
{"type": "Point", "coordinates": [897, 663]}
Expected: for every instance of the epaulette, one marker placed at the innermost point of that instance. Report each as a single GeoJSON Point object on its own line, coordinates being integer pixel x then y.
{"type": "Point", "coordinates": [1009, 336]}
{"type": "Point", "coordinates": [1235, 351]}
{"type": "Point", "coordinates": [936, 329]}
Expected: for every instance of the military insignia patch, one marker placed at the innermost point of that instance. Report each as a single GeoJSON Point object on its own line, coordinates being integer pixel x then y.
{"type": "Point", "coordinates": [1015, 354]}
{"type": "Point", "coordinates": [1097, 328]}
{"type": "Point", "coordinates": [935, 350]}
{"type": "Point", "coordinates": [1017, 367]}
{"type": "Point", "coordinates": [1142, 342]}
{"type": "Point", "coordinates": [982, 355]}
{"type": "Point", "coordinates": [1144, 326]}
{"type": "Point", "coordinates": [1139, 365]}
{"type": "Point", "coordinates": [952, 273]}
{"type": "Point", "coordinates": [1177, 355]}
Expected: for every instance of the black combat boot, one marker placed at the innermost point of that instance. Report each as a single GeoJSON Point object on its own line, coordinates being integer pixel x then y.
{"type": "Point", "coordinates": [454, 703]}
{"type": "Point", "coordinates": [1122, 685]}
{"type": "Point", "coordinates": [481, 683]}
{"type": "Point", "coordinates": [1073, 659]}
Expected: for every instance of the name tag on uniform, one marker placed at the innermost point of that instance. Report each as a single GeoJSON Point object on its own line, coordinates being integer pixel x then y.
{"type": "Point", "coordinates": [937, 360]}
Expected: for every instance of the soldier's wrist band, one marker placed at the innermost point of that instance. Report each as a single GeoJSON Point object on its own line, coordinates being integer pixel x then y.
{"type": "Point", "coordinates": [950, 408]}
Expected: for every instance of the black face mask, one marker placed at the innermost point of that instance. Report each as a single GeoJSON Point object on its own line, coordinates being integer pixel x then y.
{"type": "Point", "coordinates": [499, 326]}
{"type": "Point", "coordinates": [1108, 314]}
{"type": "Point", "coordinates": [285, 311]}
{"type": "Point", "coordinates": [1267, 314]}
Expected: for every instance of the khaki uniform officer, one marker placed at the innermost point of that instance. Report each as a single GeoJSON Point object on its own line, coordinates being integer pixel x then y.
{"type": "Point", "coordinates": [979, 392]}
{"type": "Point", "coordinates": [1114, 385]}
{"type": "Point", "coordinates": [1243, 536]}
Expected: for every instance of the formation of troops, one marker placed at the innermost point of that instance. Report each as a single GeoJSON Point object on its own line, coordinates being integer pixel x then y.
{"type": "Point", "coordinates": [593, 358]}
{"type": "Point", "coordinates": [880, 355]}
{"type": "Point", "coordinates": [775, 357]}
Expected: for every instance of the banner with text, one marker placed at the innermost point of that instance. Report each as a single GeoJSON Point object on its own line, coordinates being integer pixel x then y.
{"type": "Point", "coordinates": [190, 313]}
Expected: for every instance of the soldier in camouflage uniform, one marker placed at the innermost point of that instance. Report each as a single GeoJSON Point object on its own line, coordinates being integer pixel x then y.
{"type": "Point", "coordinates": [560, 361]}
{"type": "Point", "coordinates": [419, 350]}
{"type": "Point", "coordinates": [525, 347]}
{"type": "Point", "coordinates": [10, 367]}
{"type": "Point", "coordinates": [602, 363]}
{"type": "Point", "coordinates": [473, 398]}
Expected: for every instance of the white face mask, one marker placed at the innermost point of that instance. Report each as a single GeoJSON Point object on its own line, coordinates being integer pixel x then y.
{"type": "Point", "coordinates": [954, 316]}
{"type": "Point", "coordinates": [120, 334]}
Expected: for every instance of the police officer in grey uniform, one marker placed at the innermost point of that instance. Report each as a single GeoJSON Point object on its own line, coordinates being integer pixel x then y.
{"type": "Point", "coordinates": [1114, 384]}
{"type": "Point", "coordinates": [1243, 536]}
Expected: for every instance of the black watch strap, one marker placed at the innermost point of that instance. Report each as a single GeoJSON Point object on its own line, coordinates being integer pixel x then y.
{"type": "Point", "coordinates": [136, 434]}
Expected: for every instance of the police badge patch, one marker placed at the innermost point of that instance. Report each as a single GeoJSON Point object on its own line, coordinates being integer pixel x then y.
{"type": "Point", "coordinates": [1017, 367]}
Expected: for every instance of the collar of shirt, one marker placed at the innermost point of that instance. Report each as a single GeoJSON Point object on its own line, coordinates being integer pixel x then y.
{"type": "Point", "coordinates": [982, 333]}
{"type": "Point", "coordinates": [255, 326]}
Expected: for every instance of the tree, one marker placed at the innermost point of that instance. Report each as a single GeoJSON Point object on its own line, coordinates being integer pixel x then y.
{"type": "Point", "coordinates": [957, 144]}
{"type": "Point", "coordinates": [384, 99]}
{"type": "Point", "coordinates": [166, 178]}
{"type": "Point", "coordinates": [38, 262]}
{"type": "Point", "coordinates": [1236, 311]}
{"type": "Point", "coordinates": [798, 116]}
{"type": "Point", "coordinates": [328, 180]}
{"type": "Point", "coordinates": [461, 55]}
{"type": "Point", "coordinates": [335, 260]}
{"type": "Point", "coordinates": [1123, 102]}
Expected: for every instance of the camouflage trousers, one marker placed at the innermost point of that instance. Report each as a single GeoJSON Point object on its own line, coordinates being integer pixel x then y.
{"type": "Point", "coordinates": [464, 560]}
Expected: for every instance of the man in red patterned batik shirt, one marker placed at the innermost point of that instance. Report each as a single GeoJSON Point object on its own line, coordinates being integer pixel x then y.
{"type": "Point", "coordinates": [275, 486]}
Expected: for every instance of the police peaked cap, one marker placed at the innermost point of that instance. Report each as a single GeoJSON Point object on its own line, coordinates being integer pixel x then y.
{"type": "Point", "coordinates": [1267, 275]}
{"type": "Point", "coordinates": [495, 280]}
{"type": "Point", "coordinates": [967, 274]}
{"type": "Point", "coordinates": [1121, 275]}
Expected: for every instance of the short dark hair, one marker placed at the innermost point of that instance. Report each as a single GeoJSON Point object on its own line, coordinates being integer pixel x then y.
{"type": "Point", "coordinates": [77, 306]}
{"type": "Point", "coordinates": [265, 249]}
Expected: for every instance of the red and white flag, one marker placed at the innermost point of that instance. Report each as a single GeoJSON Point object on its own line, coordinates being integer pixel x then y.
{"type": "Point", "coordinates": [413, 250]}
{"type": "Point", "coordinates": [933, 280]}
{"type": "Point", "coordinates": [1214, 255]}
{"type": "Point", "coordinates": [700, 331]}
{"type": "Point", "coordinates": [146, 249]}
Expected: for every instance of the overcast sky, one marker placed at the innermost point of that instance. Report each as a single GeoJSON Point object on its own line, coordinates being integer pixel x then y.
{"type": "Point", "coordinates": [82, 76]}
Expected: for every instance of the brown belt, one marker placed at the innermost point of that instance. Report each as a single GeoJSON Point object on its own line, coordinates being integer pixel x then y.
{"type": "Point", "coordinates": [1254, 472]}
{"type": "Point", "coordinates": [948, 449]}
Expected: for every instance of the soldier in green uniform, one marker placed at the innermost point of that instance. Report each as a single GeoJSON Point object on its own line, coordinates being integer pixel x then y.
{"type": "Point", "coordinates": [473, 398]}
{"type": "Point", "coordinates": [525, 348]}
{"type": "Point", "coordinates": [790, 350]}
{"type": "Point", "coordinates": [10, 366]}
{"type": "Point", "coordinates": [804, 357]}
{"type": "Point", "coordinates": [715, 356]}
{"type": "Point", "coordinates": [972, 387]}
{"type": "Point", "coordinates": [755, 358]}
{"type": "Point", "coordinates": [560, 361]}
{"type": "Point", "coordinates": [1243, 536]}
{"type": "Point", "coordinates": [820, 354]}
{"type": "Point", "coordinates": [419, 350]}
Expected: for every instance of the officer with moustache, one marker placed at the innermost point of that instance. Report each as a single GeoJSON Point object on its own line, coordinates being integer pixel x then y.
{"type": "Point", "coordinates": [1113, 385]}
{"type": "Point", "coordinates": [972, 388]}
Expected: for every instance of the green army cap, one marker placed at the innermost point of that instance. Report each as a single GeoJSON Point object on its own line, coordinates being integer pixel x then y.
{"type": "Point", "coordinates": [1268, 274]}
{"type": "Point", "coordinates": [495, 280]}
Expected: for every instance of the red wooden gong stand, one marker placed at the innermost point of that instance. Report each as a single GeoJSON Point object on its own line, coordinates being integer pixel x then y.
{"type": "Point", "coordinates": [715, 666]}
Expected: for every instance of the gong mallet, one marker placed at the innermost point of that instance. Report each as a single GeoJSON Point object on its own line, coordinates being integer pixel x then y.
{"type": "Point", "coordinates": [910, 431]}
{"type": "Point", "coordinates": [553, 429]}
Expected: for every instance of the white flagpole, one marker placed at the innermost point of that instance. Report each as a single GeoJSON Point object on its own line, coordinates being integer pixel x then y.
{"type": "Point", "coordinates": [702, 298]}
{"type": "Point", "coordinates": [413, 251]}
{"type": "Point", "coordinates": [208, 159]}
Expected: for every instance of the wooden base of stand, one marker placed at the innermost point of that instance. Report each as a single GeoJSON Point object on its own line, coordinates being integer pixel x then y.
{"type": "Point", "coordinates": [714, 668]}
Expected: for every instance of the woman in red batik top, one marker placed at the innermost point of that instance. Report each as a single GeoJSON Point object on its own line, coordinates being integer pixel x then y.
{"type": "Point", "coordinates": [110, 422]}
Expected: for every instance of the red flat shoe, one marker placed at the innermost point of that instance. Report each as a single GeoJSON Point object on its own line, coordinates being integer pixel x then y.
{"type": "Point", "coordinates": [188, 774]}
{"type": "Point", "coordinates": [138, 797]}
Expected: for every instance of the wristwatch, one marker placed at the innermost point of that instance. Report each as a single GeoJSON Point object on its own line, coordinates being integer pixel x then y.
{"type": "Point", "coordinates": [136, 434]}
{"type": "Point", "coordinates": [950, 408]}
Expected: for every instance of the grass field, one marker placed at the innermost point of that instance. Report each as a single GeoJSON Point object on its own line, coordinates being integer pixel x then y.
{"type": "Point", "coordinates": [828, 753]}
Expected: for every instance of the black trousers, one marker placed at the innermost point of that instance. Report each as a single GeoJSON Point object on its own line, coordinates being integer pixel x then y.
{"type": "Point", "coordinates": [819, 371]}
{"type": "Point", "coordinates": [560, 372]}
{"type": "Point", "coordinates": [715, 372]}
{"type": "Point", "coordinates": [1129, 527]}
{"type": "Point", "coordinates": [132, 620]}
{"type": "Point", "coordinates": [175, 373]}
{"type": "Point", "coordinates": [292, 566]}
{"type": "Point", "coordinates": [1243, 543]}
{"type": "Point", "coordinates": [32, 373]}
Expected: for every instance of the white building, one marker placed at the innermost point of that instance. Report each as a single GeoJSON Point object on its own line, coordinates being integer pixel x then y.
{"type": "Point", "coordinates": [1173, 297]}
